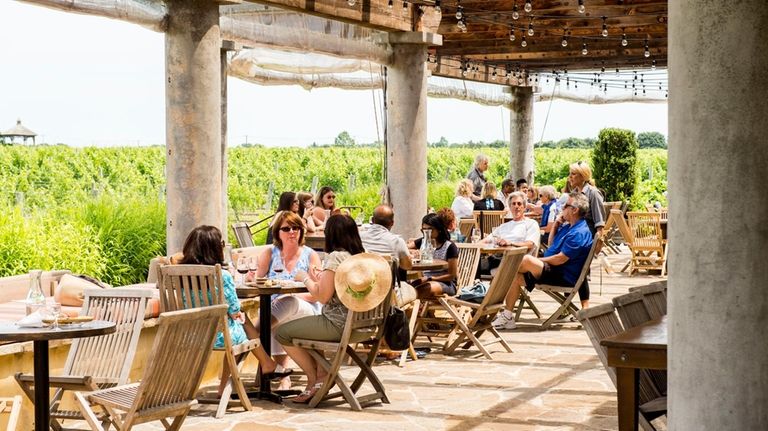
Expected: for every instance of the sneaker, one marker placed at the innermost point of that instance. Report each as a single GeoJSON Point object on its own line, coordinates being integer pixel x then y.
{"type": "Point", "coordinates": [504, 320]}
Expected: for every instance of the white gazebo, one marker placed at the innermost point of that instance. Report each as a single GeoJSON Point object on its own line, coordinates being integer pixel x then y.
{"type": "Point", "coordinates": [19, 131]}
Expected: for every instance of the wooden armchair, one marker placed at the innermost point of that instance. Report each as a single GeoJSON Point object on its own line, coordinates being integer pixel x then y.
{"type": "Point", "coordinates": [243, 234]}
{"type": "Point", "coordinates": [359, 327]}
{"type": "Point", "coordinates": [631, 308]}
{"type": "Point", "coordinates": [488, 220]}
{"type": "Point", "coordinates": [194, 286]}
{"type": "Point", "coordinates": [564, 295]}
{"type": "Point", "coordinates": [171, 377]}
{"type": "Point", "coordinates": [12, 406]}
{"type": "Point", "coordinates": [471, 320]}
{"type": "Point", "coordinates": [97, 362]}
{"type": "Point", "coordinates": [465, 227]}
{"type": "Point", "coordinates": [648, 245]}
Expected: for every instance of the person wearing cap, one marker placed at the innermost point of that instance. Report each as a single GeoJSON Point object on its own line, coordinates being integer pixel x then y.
{"type": "Point", "coordinates": [350, 280]}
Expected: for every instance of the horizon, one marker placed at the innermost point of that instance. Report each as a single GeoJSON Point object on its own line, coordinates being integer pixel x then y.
{"type": "Point", "coordinates": [108, 91]}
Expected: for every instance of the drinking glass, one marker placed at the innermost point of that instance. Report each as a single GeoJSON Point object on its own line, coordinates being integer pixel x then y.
{"type": "Point", "coordinates": [253, 264]}
{"type": "Point", "coordinates": [359, 219]}
{"type": "Point", "coordinates": [54, 311]}
{"type": "Point", "coordinates": [242, 268]}
{"type": "Point", "coordinates": [475, 235]}
{"type": "Point", "coordinates": [278, 266]}
{"type": "Point", "coordinates": [327, 215]}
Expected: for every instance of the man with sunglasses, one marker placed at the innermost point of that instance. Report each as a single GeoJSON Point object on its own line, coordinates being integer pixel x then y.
{"type": "Point", "coordinates": [518, 232]}
{"type": "Point", "coordinates": [562, 262]}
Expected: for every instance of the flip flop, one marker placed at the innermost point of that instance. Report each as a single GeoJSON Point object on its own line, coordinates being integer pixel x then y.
{"type": "Point", "coordinates": [278, 373]}
{"type": "Point", "coordinates": [306, 395]}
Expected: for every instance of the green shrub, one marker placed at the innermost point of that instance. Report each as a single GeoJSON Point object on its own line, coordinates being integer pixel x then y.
{"type": "Point", "coordinates": [614, 161]}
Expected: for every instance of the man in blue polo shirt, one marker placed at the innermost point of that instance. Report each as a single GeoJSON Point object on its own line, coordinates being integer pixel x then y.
{"type": "Point", "coordinates": [562, 262]}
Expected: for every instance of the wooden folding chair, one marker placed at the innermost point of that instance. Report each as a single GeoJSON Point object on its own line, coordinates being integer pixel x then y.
{"type": "Point", "coordinates": [465, 227]}
{"type": "Point", "coordinates": [171, 377]}
{"type": "Point", "coordinates": [359, 327]}
{"type": "Point", "coordinates": [631, 308]}
{"type": "Point", "coordinates": [564, 294]}
{"type": "Point", "coordinates": [655, 298]}
{"type": "Point", "coordinates": [471, 320]}
{"type": "Point", "coordinates": [431, 325]}
{"type": "Point", "coordinates": [610, 229]}
{"type": "Point", "coordinates": [601, 322]}
{"type": "Point", "coordinates": [97, 362]}
{"type": "Point", "coordinates": [194, 286]}
{"type": "Point", "coordinates": [488, 220]}
{"type": "Point", "coordinates": [12, 406]}
{"type": "Point", "coordinates": [243, 234]}
{"type": "Point", "coordinates": [645, 241]}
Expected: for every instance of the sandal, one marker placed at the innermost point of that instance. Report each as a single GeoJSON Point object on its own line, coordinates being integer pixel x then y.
{"type": "Point", "coordinates": [278, 373]}
{"type": "Point", "coordinates": [307, 394]}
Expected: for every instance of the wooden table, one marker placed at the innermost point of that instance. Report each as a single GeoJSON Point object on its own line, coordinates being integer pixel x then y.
{"type": "Point", "coordinates": [40, 338]}
{"type": "Point", "coordinates": [264, 293]}
{"type": "Point", "coordinates": [315, 240]}
{"type": "Point", "coordinates": [643, 346]}
{"type": "Point", "coordinates": [435, 265]}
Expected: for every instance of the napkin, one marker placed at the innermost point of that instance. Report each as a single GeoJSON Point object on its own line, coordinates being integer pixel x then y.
{"type": "Point", "coordinates": [34, 320]}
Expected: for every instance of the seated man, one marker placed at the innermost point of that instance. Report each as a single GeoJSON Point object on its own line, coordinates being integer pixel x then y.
{"type": "Point", "coordinates": [378, 239]}
{"type": "Point", "coordinates": [562, 262]}
{"type": "Point", "coordinates": [518, 232]}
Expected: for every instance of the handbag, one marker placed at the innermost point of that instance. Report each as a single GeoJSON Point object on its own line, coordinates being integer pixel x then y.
{"type": "Point", "coordinates": [475, 293]}
{"type": "Point", "coordinates": [397, 334]}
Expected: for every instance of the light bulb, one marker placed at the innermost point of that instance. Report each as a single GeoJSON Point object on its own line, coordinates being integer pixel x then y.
{"type": "Point", "coordinates": [605, 32]}
{"type": "Point", "coordinates": [564, 42]}
{"type": "Point", "coordinates": [464, 28]}
{"type": "Point", "coordinates": [520, 81]}
{"type": "Point", "coordinates": [405, 5]}
{"type": "Point", "coordinates": [515, 13]}
{"type": "Point", "coordinates": [584, 50]}
{"type": "Point", "coordinates": [528, 6]}
{"type": "Point", "coordinates": [438, 9]}
{"type": "Point", "coordinates": [512, 35]}
{"type": "Point", "coordinates": [524, 43]}
{"type": "Point", "coordinates": [624, 41]}
{"type": "Point", "coordinates": [647, 53]}
{"type": "Point", "coordinates": [351, 2]}
{"type": "Point", "coordinates": [493, 76]}
{"type": "Point", "coordinates": [653, 65]}
{"type": "Point", "coordinates": [390, 3]}
{"type": "Point", "coordinates": [464, 72]}
{"type": "Point", "coordinates": [459, 12]}
{"type": "Point", "coordinates": [582, 9]}
{"type": "Point", "coordinates": [530, 29]}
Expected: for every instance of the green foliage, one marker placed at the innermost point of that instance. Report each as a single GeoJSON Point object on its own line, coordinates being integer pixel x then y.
{"type": "Point", "coordinates": [344, 140]}
{"type": "Point", "coordinates": [651, 140]}
{"type": "Point", "coordinates": [614, 163]}
{"type": "Point", "coordinates": [567, 143]}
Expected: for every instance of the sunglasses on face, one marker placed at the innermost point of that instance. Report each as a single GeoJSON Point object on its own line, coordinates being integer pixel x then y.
{"type": "Point", "coordinates": [517, 204]}
{"type": "Point", "coordinates": [290, 229]}
{"type": "Point", "coordinates": [568, 206]}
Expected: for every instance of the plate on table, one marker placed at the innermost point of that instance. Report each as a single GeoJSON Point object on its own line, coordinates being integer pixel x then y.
{"type": "Point", "coordinates": [69, 322]}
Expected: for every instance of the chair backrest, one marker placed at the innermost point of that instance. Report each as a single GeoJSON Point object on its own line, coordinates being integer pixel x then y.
{"type": "Point", "coordinates": [108, 358]}
{"type": "Point", "coordinates": [181, 350]}
{"type": "Point", "coordinates": [646, 229]}
{"type": "Point", "coordinates": [465, 227]}
{"type": "Point", "coordinates": [243, 234]}
{"type": "Point", "coordinates": [189, 286]}
{"type": "Point", "coordinates": [655, 298]}
{"type": "Point", "coordinates": [12, 406]}
{"type": "Point", "coordinates": [494, 298]}
{"type": "Point", "coordinates": [587, 262]}
{"type": "Point", "coordinates": [469, 259]}
{"type": "Point", "coordinates": [608, 206]}
{"type": "Point", "coordinates": [600, 322]}
{"type": "Point", "coordinates": [631, 308]}
{"type": "Point", "coordinates": [488, 220]}
{"type": "Point", "coordinates": [626, 233]}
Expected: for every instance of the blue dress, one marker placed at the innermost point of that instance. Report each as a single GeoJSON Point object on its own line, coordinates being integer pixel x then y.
{"type": "Point", "coordinates": [301, 265]}
{"type": "Point", "coordinates": [236, 330]}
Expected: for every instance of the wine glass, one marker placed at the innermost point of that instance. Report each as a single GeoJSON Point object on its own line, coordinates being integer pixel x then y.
{"type": "Point", "coordinates": [242, 268]}
{"type": "Point", "coordinates": [253, 264]}
{"type": "Point", "coordinates": [359, 219]}
{"type": "Point", "coordinates": [54, 311]}
{"type": "Point", "coordinates": [278, 266]}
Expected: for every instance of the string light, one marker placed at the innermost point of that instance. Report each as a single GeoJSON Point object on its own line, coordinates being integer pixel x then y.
{"type": "Point", "coordinates": [351, 2]}
{"type": "Point", "coordinates": [390, 3]}
{"type": "Point", "coordinates": [530, 28]}
{"type": "Point", "coordinates": [647, 52]}
{"type": "Point", "coordinates": [459, 12]}
{"type": "Point", "coordinates": [624, 41]}
{"type": "Point", "coordinates": [515, 13]}
{"type": "Point", "coordinates": [524, 43]}
{"type": "Point", "coordinates": [582, 9]}
{"type": "Point", "coordinates": [512, 34]}
{"type": "Point", "coordinates": [438, 9]}
{"type": "Point", "coordinates": [564, 43]}
{"type": "Point", "coordinates": [405, 5]}
{"type": "Point", "coordinates": [584, 50]}
{"type": "Point", "coordinates": [605, 28]}
{"type": "Point", "coordinates": [528, 6]}
{"type": "Point", "coordinates": [653, 65]}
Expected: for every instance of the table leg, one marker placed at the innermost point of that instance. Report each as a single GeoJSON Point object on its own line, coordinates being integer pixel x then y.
{"type": "Point", "coordinates": [42, 402]}
{"type": "Point", "coordinates": [627, 380]}
{"type": "Point", "coordinates": [265, 335]}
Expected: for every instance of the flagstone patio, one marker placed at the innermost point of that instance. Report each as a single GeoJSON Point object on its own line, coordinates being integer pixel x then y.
{"type": "Point", "coordinates": [553, 380]}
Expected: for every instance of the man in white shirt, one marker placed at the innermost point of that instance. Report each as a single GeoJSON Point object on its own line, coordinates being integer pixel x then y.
{"type": "Point", "coordinates": [518, 232]}
{"type": "Point", "coordinates": [378, 239]}
{"type": "Point", "coordinates": [507, 187]}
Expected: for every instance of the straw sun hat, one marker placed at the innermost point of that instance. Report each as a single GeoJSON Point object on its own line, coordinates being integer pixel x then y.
{"type": "Point", "coordinates": [363, 281]}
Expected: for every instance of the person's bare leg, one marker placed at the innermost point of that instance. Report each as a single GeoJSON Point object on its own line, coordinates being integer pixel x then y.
{"type": "Point", "coordinates": [304, 360]}
{"type": "Point", "coordinates": [529, 264]}
{"type": "Point", "coordinates": [584, 304]}
{"type": "Point", "coordinates": [285, 382]}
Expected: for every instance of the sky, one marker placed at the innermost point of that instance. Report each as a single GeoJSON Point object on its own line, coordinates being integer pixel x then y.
{"type": "Point", "coordinates": [92, 81]}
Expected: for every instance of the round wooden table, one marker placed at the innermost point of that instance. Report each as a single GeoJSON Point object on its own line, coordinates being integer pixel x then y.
{"type": "Point", "coordinates": [435, 265]}
{"type": "Point", "coordinates": [40, 338]}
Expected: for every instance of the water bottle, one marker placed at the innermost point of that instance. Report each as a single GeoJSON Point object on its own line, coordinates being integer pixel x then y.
{"type": "Point", "coordinates": [35, 298]}
{"type": "Point", "coordinates": [425, 251]}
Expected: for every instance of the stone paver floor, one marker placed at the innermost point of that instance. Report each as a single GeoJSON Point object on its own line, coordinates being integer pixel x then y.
{"type": "Point", "coordinates": [553, 380]}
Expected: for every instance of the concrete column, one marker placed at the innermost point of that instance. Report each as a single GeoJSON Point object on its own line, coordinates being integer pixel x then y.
{"type": "Point", "coordinates": [224, 175]}
{"type": "Point", "coordinates": [718, 154]}
{"type": "Point", "coordinates": [521, 134]}
{"type": "Point", "coordinates": [407, 130]}
{"type": "Point", "coordinates": [193, 118]}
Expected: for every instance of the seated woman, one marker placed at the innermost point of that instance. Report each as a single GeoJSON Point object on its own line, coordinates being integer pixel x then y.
{"type": "Point", "coordinates": [282, 261]}
{"type": "Point", "coordinates": [325, 200]}
{"type": "Point", "coordinates": [306, 206]}
{"type": "Point", "coordinates": [203, 246]}
{"type": "Point", "coordinates": [435, 283]}
{"type": "Point", "coordinates": [462, 205]}
{"type": "Point", "coordinates": [449, 220]}
{"type": "Point", "coordinates": [488, 201]}
{"type": "Point", "coordinates": [548, 212]}
{"type": "Point", "coordinates": [287, 202]}
{"type": "Point", "coordinates": [342, 241]}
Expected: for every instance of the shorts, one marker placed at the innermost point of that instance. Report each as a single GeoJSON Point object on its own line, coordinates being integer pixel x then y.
{"type": "Point", "coordinates": [550, 275]}
{"type": "Point", "coordinates": [447, 288]}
